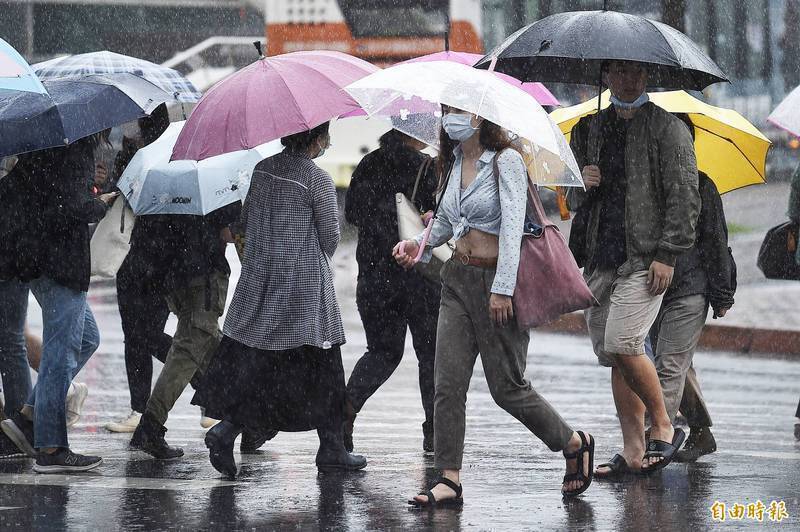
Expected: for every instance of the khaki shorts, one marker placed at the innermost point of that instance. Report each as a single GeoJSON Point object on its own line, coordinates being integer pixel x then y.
{"type": "Point", "coordinates": [622, 321]}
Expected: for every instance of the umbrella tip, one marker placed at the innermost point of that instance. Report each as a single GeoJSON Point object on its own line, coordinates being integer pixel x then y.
{"type": "Point", "coordinates": [257, 44]}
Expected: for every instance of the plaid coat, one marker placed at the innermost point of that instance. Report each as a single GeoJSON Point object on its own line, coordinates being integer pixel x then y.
{"type": "Point", "coordinates": [285, 296]}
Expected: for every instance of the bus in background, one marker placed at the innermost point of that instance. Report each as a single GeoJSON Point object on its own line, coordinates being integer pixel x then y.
{"type": "Point", "coordinates": [382, 32]}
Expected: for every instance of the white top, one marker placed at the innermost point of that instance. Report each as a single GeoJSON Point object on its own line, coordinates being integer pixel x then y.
{"type": "Point", "coordinates": [492, 204]}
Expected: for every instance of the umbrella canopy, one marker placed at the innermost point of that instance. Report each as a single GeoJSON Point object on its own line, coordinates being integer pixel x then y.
{"type": "Point", "coordinates": [271, 98]}
{"type": "Point", "coordinates": [154, 185]}
{"type": "Point", "coordinates": [15, 73]}
{"type": "Point", "coordinates": [730, 150]}
{"type": "Point", "coordinates": [72, 66]}
{"type": "Point", "coordinates": [70, 110]}
{"type": "Point", "coordinates": [787, 115]}
{"type": "Point", "coordinates": [388, 92]}
{"type": "Point", "coordinates": [569, 47]}
{"type": "Point", "coordinates": [535, 89]}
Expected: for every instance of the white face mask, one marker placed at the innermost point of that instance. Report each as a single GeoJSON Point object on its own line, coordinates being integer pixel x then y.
{"type": "Point", "coordinates": [635, 104]}
{"type": "Point", "coordinates": [458, 127]}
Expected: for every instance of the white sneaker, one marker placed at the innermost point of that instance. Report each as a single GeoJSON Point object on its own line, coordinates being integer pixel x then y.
{"type": "Point", "coordinates": [128, 424]}
{"type": "Point", "coordinates": [75, 399]}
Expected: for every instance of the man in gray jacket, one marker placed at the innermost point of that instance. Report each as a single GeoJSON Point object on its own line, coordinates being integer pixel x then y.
{"type": "Point", "coordinates": [638, 214]}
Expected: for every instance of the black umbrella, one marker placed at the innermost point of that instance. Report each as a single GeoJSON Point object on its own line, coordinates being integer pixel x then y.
{"type": "Point", "coordinates": [570, 47]}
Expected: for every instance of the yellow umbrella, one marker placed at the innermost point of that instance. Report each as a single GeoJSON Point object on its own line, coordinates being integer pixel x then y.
{"type": "Point", "coordinates": [731, 150]}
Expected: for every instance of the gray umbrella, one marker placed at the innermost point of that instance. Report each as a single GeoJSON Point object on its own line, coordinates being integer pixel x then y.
{"type": "Point", "coordinates": [570, 47]}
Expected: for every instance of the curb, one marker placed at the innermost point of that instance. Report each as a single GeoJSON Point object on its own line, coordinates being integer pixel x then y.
{"type": "Point", "coordinates": [714, 337]}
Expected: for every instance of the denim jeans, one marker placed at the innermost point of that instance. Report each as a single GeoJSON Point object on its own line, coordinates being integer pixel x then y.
{"type": "Point", "coordinates": [14, 370]}
{"type": "Point", "coordinates": [70, 338]}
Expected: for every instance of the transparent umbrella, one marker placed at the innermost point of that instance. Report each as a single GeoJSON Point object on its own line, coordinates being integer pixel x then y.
{"type": "Point", "coordinates": [411, 95]}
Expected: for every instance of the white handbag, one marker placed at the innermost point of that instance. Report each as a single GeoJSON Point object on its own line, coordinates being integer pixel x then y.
{"type": "Point", "coordinates": [409, 225]}
{"type": "Point", "coordinates": [111, 240]}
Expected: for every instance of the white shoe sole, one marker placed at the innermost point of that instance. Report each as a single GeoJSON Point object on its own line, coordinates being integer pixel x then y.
{"type": "Point", "coordinates": [208, 422]}
{"type": "Point", "coordinates": [65, 468]}
{"type": "Point", "coordinates": [76, 402]}
{"type": "Point", "coordinates": [121, 428]}
{"type": "Point", "coordinates": [16, 435]}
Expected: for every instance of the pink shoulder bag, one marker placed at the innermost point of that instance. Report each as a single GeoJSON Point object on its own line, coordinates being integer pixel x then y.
{"type": "Point", "coordinates": [549, 282]}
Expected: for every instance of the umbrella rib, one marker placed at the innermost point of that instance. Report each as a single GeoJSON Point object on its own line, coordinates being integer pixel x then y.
{"type": "Point", "coordinates": [735, 146]}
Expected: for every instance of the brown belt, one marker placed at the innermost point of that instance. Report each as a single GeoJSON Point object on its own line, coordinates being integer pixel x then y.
{"type": "Point", "coordinates": [479, 262]}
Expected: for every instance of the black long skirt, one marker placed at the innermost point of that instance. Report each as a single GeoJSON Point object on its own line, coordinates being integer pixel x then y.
{"type": "Point", "coordinates": [294, 390]}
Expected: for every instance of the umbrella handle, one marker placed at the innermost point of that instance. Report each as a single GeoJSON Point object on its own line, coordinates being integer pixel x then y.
{"type": "Point", "coordinates": [425, 236]}
{"type": "Point", "coordinates": [424, 242]}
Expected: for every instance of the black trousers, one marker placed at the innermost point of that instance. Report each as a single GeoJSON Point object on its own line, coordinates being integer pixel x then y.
{"type": "Point", "coordinates": [144, 313]}
{"type": "Point", "coordinates": [388, 304]}
{"type": "Point", "coordinates": [797, 414]}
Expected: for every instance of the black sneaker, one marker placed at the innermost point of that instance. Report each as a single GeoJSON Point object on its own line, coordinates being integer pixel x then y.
{"type": "Point", "coordinates": [699, 443]}
{"type": "Point", "coordinates": [8, 449]}
{"type": "Point", "coordinates": [65, 461]}
{"type": "Point", "coordinates": [20, 431]}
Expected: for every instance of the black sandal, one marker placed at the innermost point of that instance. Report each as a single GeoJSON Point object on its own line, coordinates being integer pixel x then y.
{"type": "Point", "coordinates": [664, 450]}
{"type": "Point", "coordinates": [618, 468]}
{"type": "Point", "coordinates": [444, 503]}
{"type": "Point", "coordinates": [586, 446]}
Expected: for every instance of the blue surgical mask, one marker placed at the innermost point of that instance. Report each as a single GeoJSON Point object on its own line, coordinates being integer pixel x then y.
{"type": "Point", "coordinates": [322, 149]}
{"type": "Point", "coordinates": [627, 106]}
{"type": "Point", "coordinates": [458, 127]}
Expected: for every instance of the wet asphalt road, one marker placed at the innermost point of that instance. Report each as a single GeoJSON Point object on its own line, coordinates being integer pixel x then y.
{"type": "Point", "coordinates": [511, 480]}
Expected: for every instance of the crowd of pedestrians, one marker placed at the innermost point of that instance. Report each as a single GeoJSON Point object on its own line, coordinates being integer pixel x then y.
{"type": "Point", "coordinates": [649, 231]}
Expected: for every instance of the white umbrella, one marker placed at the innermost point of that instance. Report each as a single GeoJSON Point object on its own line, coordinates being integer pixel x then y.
{"type": "Point", "coordinates": [787, 115]}
{"type": "Point", "coordinates": [411, 94]}
{"type": "Point", "coordinates": [153, 184]}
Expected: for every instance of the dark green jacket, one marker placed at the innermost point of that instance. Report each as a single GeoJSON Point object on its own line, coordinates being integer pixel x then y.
{"type": "Point", "coordinates": [662, 201]}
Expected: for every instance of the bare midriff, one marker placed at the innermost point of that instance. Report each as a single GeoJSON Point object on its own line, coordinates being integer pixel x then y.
{"type": "Point", "coordinates": [478, 244]}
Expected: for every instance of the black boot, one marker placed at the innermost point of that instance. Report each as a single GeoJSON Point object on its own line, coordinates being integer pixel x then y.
{"type": "Point", "coordinates": [149, 437]}
{"type": "Point", "coordinates": [252, 440]}
{"type": "Point", "coordinates": [219, 440]}
{"type": "Point", "coordinates": [347, 426]}
{"type": "Point", "coordinates": [700, 442]}
{"type": "Point", "coordinates": [427, 436]}
{"type": "Point", "coordinates": [332, 456]}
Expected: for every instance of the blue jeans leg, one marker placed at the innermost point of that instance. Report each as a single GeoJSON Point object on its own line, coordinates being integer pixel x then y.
{"type": "Point", "coordinates": [64, 316]}
{"type": "Point", "coordinates": [14, 370]}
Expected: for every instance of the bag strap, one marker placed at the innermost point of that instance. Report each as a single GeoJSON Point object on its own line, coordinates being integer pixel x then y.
{"type": "Point", "coordinates": [423, 168]}
{"type": "Point", "coordinates": [534, 203]}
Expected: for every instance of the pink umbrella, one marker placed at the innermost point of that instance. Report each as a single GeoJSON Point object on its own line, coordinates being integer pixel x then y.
{"type": "Point", "coordinates": [535, 89]}
{"type": "Point", "coordinates": [271, 98]}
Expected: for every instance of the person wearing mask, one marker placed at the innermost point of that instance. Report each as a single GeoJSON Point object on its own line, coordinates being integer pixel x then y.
{"type": "Point", "coordinates": [390, 299]}
{"type": "Point", "coordinates": [45, 249]}
{"type": "Point", "coordinates": [483, 208]}
{"type": "Point", "coordinates": [279, 366]}
{"type": "Point", "coordinates": [642, 210]}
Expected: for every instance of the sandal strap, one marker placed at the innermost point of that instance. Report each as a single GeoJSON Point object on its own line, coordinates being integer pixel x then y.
{"type": "Point", "coordinates": [584, 448]}
{"type": "Point", "coordinates": [429, 495]}
{"type": "Point", "coordinates": [450, 484]}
